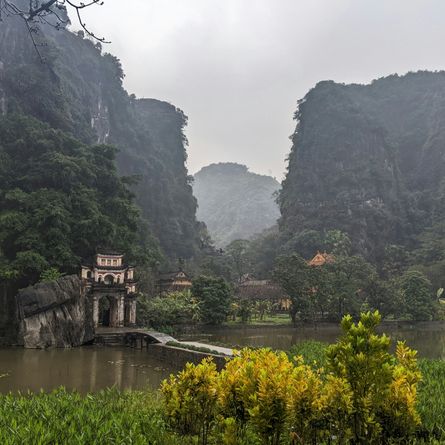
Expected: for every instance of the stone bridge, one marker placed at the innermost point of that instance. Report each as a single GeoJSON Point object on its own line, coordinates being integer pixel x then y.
{"type": "Point", "coordinates": [140, 338]}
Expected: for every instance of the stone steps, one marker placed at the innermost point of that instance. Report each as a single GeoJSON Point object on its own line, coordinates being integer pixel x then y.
{"type": "Point", "coordinates": [110, 339]}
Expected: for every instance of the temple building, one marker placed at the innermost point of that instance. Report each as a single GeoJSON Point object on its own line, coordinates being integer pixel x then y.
{"type": "Point", "coordinates": [250, 288]}
{"type": "Point", "coordinates": [173, 282]}
{"type": "Point", "coordinates": [321, 259]}
{"type": "Point", "coordinates": [112, 288]}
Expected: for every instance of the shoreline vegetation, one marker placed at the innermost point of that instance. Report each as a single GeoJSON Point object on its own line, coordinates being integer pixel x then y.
{"type": "Point", "coordinates": [203, 406]}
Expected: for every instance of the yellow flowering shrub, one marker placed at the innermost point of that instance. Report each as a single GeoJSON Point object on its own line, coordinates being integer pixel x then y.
{"type": "Point", "coordinates": [399, 414]}
{"type": "Point", "coordinates": [190, 399]}
{"type": "Point", "coordinates": [254, 388]}
{"type": "Point", "coordinates": [383, 387]}
{"type": "Point", "coordinates": [305, 404]}
{"type": "Point", "coordinates": [365, 394]}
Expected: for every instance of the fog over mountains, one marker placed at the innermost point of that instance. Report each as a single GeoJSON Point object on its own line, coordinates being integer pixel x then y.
{"type": "Point", "coordinates": [234, 202]}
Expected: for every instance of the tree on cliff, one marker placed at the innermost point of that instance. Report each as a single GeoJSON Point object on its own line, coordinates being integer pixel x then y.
{"type": "Point", "coordinates": [59, 201]}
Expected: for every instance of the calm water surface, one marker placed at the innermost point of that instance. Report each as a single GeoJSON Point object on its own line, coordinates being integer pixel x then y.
{"type": "Point", "coordinates": [86, 369]}
{"type": "Point", "coordinates": [92, 368]}
{"type": "Point", "coordinates": [427, 338]}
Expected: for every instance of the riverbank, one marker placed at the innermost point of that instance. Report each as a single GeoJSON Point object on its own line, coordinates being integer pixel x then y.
{"type": "Point", "coordinates": [114, 416]}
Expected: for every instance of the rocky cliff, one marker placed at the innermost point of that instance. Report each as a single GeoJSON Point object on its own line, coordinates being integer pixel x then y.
{"type": "Point", "coordinates": [234, 202]}
{"type": "Point", "coordinates": [78, 89]}
{"type": "Point", "coordinates": [55, 314]}
{"type": "Point", "coordinates": [368, 160]}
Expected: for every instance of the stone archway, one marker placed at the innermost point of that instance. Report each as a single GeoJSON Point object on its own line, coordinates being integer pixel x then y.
{"type": "Point", "coordinates": [108, 310]}
{"type": "Point", "coordinates": [104, 306]}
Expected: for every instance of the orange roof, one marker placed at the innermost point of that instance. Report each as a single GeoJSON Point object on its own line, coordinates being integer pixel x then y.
{"type": "Point", "coordinates": [321, 258]}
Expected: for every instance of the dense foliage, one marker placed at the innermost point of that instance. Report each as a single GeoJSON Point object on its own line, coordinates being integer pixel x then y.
{"type": "Point", "coordinates": [59, 201]}
{"type": "Point", "coordinates": [235, 203]}
{"type": "Point", "coordinates": [365, 395]}
{"type": "Point", "coordinates": [213, 295]}
{"type": "Point", "coordinates": [349, 285]}
{"type": "Point", "coordinates": [369, 160]}
{"type": "Point", "coordinates": [163, 313]}
{"type": "Point", "coordinates": [79, 90]}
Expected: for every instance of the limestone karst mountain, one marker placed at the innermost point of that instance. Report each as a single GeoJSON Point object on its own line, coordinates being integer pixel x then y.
{"type": "Point", "coordinates": [234, 202]}
{"type": "Point", "coordinates": [368, 160]}
{"type": "Point", "coordinates": [77, 88]}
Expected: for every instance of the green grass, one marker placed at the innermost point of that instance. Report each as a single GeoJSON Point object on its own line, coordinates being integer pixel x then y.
{"type": "Point", "coordinates": [313, 352]}
{"type": "Point", "coordinates": [61, 417]}
{"type": "Point", "coordinates": [431, 396]}
{"type": "Point", "coordinates": [276, 319]}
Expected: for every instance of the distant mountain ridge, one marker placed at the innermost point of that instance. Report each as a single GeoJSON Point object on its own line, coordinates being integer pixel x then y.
{"type": "Point", "coordinates": [234, 202]}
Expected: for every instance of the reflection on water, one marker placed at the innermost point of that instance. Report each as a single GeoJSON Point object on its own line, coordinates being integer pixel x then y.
{"type": "Point", "coordinates": [427, 338]}
{"type": "Point", "coordinates": [92, 368]}
{"type": "Point", "coordinates": [85, 369]}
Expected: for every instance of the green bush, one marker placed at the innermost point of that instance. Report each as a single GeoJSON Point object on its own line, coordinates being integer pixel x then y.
{"type": "Point", "coordinates": [164, 312]}
{"type": "Point", "coordinates": [431, 397]}
{"type": "Point", "coordinates": [214, 297]}
{"type": "Point", "coordinates": [365, 394]}
{"type": "Point", "coordinates": [313, 352]}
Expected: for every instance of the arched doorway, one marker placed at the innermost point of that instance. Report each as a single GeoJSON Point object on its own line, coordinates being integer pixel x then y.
{"type": "Point", "coordinates": [109, 309]}
{"type": "Point", "coordinates": [104, 311]}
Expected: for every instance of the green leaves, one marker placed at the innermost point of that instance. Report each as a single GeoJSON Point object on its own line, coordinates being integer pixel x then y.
{"type": "Point", "coordinates": [109, 417]}
{"type": "Point", "coordinates": [214, 297]}
{"type": "Point", "coordinates": [63, 201]}
{"type": "Point", "coordinates": [383, 387]}
{"type": "Point", "coordinates": [417, 295]}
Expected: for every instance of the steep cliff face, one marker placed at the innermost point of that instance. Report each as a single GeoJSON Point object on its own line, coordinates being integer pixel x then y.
{"type": "Point", "coordinates": [78, 89]}
{"type": "Point", "coordinates": [235, 203]}
{"type": "Point", "coordinates": [368, 160]}
{"type": "Point", "coordinates": [55, 314]}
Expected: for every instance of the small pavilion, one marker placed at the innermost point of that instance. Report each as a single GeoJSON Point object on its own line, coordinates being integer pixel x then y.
{"type": "Point", "coordinates": [112, 287]}
{"type": "Point", "coordinates": [320, 259]}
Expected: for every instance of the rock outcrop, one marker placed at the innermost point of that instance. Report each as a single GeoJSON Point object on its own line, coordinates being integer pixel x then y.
{"type": "Point", "coordinates": [55, 314]}
{"type": "Point", "coordinates": [368, 160]}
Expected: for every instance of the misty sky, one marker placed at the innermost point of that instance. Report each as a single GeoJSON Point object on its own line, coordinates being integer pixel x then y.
{"type": "Point", "coordinates": [238, 67]}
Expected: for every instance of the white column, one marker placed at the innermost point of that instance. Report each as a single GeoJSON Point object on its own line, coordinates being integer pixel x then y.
{"type": "Point", "coordinates": [95, 311]}
{"type": "Point", "coordinates": [132, 318]}
{"type": "Point", "coordinates": [121, 312]}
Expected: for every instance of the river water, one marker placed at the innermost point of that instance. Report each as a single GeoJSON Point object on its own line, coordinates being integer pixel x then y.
{"type": "Point", "coordinates": [92, 368]}
{"type": "Point", "coordinates": [86, 369]}
{"type": "Point", "coordinates": [427, 338]}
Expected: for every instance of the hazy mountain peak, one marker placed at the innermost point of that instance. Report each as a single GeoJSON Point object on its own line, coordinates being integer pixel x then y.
{"type": "Point", "coordinates": [234, 202]}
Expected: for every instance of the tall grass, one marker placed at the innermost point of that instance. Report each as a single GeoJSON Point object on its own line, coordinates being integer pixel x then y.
{"type": "Point", "coordinates": [431, 397]}
{"type": "Point", "coordinates": [61, 417]}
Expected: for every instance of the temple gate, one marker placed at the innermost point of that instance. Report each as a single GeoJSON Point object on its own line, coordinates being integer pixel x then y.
{"type": "Point", "coordinates": [111, 282]}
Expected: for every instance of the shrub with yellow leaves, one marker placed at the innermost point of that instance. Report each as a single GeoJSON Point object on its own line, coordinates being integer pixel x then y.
{"type": "Point", "coordinates": [190, 399]}
{"type": "Point", "coordinates": [383, 387]}
{"type": "Point", "coordinates": [365, 394]}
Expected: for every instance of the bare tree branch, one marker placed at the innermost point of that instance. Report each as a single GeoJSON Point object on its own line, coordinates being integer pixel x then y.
{"type": "Point", "coordinates": [41, 11]}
